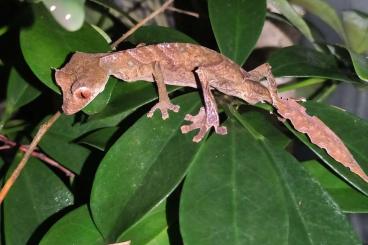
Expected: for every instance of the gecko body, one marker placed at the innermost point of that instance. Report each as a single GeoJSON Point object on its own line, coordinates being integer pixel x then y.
{"type": "Point", "coordinates": [182, 64]}
{"type": "Point", "coordinates": [179, 64]}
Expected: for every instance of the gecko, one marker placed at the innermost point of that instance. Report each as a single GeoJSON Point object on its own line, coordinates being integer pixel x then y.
{"type": "Point", "coordinates": [192, 65]}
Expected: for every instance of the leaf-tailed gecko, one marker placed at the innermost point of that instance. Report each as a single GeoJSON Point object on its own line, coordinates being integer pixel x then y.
{"type": "Point", "coordinates": [183, 64]}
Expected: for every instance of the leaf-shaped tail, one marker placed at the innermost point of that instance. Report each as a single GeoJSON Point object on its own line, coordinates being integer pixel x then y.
{"type": "Point", "coordinates": [318, 132]}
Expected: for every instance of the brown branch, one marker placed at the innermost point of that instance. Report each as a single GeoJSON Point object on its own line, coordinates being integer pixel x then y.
{"type": "Point", "coordinates": [41, 132]}
{"type": "Point", "coordinates": [181, 11]}
{"type": "Point", "coordinates": [141, 23]}
{"type": "Point", "coordinates": [9, 144]}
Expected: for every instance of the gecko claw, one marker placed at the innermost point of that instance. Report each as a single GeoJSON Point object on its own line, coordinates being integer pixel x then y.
{"type": "Point", "coordinates": [163, 107]}
{"type": "Point", "coordinates": [199, 121]}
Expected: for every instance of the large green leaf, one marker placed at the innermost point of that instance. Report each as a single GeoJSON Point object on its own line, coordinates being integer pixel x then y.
{"type": "Point", "coordinates": [150, 230]}
{"type": "Point", "coordinates": [36, 195]}
{"type": "Point", "coordinates": [237, 25]}
{"type": "Point", "coordinates": [297, 20]}
{"type": "Point", "coordinates": [349, 199]}
{"type": "Point", "coordinates": [323, 10]}
{"type": "Point", "coordinates": [46, 45]}
{"type": "Point", "coordinates": [76, 227]}
{"type": "Point", "coordinates": [129, 96]}
{"type": "Point", "coordinates": [227, 195]}
{"type": "Point", "coordinates": [356, 29]}
{"type": "Point", "coordinates": [19, 92]}
{"type": "Point", "coordinates": [238, 184]}
{"type": "Point", "coordinates": [158, 34]}
{"type": "Point", "coordinates": [351, 129]}
{"type": "Point", "coordinates": [141, 168]}
{"type": "Point", "coordinates": [100, 139]}
{"type": "Point", "coordinates": [58, 144]}
{"type": "Point", "coordinates": [360, 63]}
{"type": "Point", "coordinates": [298, 61]}
{"type": "Point", "coordinates": [265, 124]}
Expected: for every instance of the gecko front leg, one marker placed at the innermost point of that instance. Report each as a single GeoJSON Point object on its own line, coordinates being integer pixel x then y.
{"type": "Point", "coordinates": [208, 117]}
{"type": "Point", "coordinates": [164, 103]}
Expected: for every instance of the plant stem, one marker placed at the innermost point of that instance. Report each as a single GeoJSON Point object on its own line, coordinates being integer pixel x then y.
{"type": "Point", "coordinates": [41, 132]}
{"type": "Point", "coordinates": [300, 84]}
{"type": "Point", "coordinates": [245, 124]}
{"type": "Point", "coordinates": [141, 23]}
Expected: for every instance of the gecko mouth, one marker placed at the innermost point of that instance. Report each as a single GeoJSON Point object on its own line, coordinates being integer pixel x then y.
{"type": "Point", "coordinates": [67, 110]}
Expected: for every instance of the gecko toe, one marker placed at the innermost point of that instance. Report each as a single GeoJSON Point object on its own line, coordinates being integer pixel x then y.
{"type": "Point", "coordinates": [221, 130]}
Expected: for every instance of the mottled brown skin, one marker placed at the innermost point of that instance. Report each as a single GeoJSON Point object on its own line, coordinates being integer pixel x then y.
{"type": "Point", "coordinates": [180, 64]}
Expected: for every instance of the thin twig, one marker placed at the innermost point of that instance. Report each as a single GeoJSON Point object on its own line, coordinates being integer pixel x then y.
{"type": "Point", "coordinates": [141, 23]}
{"type": "Point", "coordinates": [181, 11]}
{"type": "Point", "coordinates": [41, 132]}
{"type": "Point", "coordinates": [9, 144]}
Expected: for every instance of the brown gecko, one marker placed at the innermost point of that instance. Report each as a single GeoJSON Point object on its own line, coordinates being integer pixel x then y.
{"type": "Point", "coordinates": [182, 64]}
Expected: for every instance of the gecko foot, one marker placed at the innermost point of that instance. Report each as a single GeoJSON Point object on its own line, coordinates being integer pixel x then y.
{"type": "Point", "coordinates": [163, 106]}
{"type": "Point", "coordinates": [200, 122]}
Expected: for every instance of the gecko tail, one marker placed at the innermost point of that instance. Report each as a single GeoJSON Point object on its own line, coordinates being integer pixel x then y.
{"type": "Point", "coordinates": [317, 131]}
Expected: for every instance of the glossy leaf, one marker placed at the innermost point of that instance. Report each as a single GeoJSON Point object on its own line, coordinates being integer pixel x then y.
{"type": "Point", "coordinates": [351, 129]}
{"type": "Point", "coordinates": [127, 97]}
{"type": "Point", "coordinates": [130, 182]}
{"type": "Point", "coordinates": [349, 199]}
{"type": "Point", "coordinates": [100, 139]}
{"type": "Point", "coordinates": [36, 195]}
{"type": "Point", "coordinates": [19, 92]}
{"type": "Point", "coordinates": [58, 141]}
{"type": "Point", "coordinates": [45, 52]}
{"type": "Point", "coordinates": [238, 184]}
{"type": "Point", "coordinates": [150, 230]}
{"type": "Point", "coordinates": [297, 20]}
{"type": "Point", "coordinates": [237, 25]}
{"type": "Point", "coordinates": [356, 28]}
{"type": "Point", "coordinates": [227, 194]}
{"type": "Point", "coordinates": [264, 123]}
{"type": "Point", "coordinates": [76, 227]}
{"type": "Point", "coordinates": [360, 63]}
{"type": "Point", "coordinates": [298, 61]}
{"type": "Point", "coordinates": [158, 34]}
{"type": "Point", "coordinates": [325, 11]}
{"type": "Point", "coordinates": [68, 13]}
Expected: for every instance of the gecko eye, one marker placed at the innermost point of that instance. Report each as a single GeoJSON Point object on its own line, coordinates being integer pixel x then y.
{"type": "Point", "coordinates": [83, 93]}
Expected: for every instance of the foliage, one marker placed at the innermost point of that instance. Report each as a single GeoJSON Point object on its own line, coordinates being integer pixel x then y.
{"type": "Point", "coordinates": [140, 179]}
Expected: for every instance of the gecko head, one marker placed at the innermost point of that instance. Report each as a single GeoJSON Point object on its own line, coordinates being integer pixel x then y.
{"type": "Point", "coordinates": [80, 80]}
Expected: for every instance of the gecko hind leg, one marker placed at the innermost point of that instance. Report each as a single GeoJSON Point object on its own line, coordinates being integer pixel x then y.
{"type": "Point", "coordinates": [164, 103]}
{"type": "Point", "coordinates": [207, 117]}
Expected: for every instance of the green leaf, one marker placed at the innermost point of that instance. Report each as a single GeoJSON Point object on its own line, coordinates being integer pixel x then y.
{"type": "Point", "coordinates": [323, 10]}
{"type": "Point", "coordinates": [237, 25]}
{"type": "Point", "coordinates": [150, 230]}
{"type": "Point", "coordinates": [45, 52]}
{"type": "Point", "coordinates": [58, 141]}
{"type": "Point", "coordinates": [100, 139]}
{"type": "Point", "coordinates": [76, 227]}
{"type": "Point", "coordinates": [349, 199]}
{"type": "Point", "coordinates": [360, 63]}
{"type": "Point", "coordinates": [238, 184]}
{"type": "Point", "coordinates": [37, 195]}
{"type": "Point", "coordinates": [19, 92]}
{"type": "Point", "coordinates": [356, 29]}
{"type": "Point", "coordinates": [127, 97]}
{"type": "Point", "coordinates": [158, 34]}
{"type": "Point", "coordinates": [68, 13]}
{"type": "Point", "coordinates": [141, 168]}
{"type": "Point", "coordinates": [298, 61]}
{"type": "Point", "coordinates": [227, 194]}
{"type": "Point", "coordinates": [265, 124]}
{"type": "Point", "coordinates": [100, 102]}
{"type": "Point", "coordinates": [297, 20]}
{"type": "Point", "coordinates": [351, 129]}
